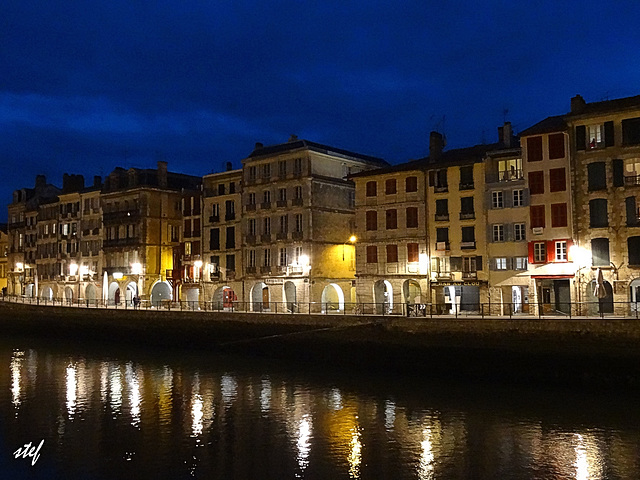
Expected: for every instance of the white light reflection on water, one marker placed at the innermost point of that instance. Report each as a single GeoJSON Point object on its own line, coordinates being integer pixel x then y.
{"type": "Point", "coordinates": [265, 395]}
{"type": "Point", "coordinates": [197, 414]}
{"type": "Point", "coordinates": [304, 443]}
{"type": "Point", "coordinates": [16, 363]}
{"type": "Point", "coordinates": [425, 471]}
{"type": "Point", "coordinates": [588, 462]}
{"type": "Point", "coordinates": [165, 396]}
{"type": "Point", "coordinates": [135, 398]}
{"type": "Point", "coordinates": [335, 399]}
{"type": "Point", "coordinates": [389, 414]}
{"type": "Point", "coordinates": [104, 381]}
{"type": "Point", "coordinates": [229, 389]}
{"type": "Point", "coordinates": [355, 455]}
{"type": "Point", "coordinates": [115, 390]}
{"type": "Point", "coordinates": [72, 385]}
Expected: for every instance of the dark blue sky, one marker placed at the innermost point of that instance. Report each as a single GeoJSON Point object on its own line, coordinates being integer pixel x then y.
{"type": "Point", "coordinates": [87, 86]}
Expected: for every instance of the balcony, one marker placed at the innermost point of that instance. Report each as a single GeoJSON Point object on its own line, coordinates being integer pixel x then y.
{"type": "Point", "coordinates": [441, 188]}
{"type": "Point", "coordinates": [632, 180]}
{"type": "Point", "coordinates": [297, 202]}
{"type": "Point", "coordinates": [466, 186]}
{"type": "Point", "coordinates": [467, 245]}
{"type": "Point", "coordinates": [281, 236]}
{"type": "Point", "coordinates": [251, 270]}
{"type": "Point", "coordinates": [265, 205]}
{"type": "Point", "coordinates": [469, 275]}
{"type": "Point", "coordinates": [281, 203]}
{"type": "Point", "coordinates": [251, 207]}
{"type": "Point", "coordinates": [442, 246]}
{"type": "Point", "coordinates": [121, 216]}
{"type": "Point", "coordinates": [14, 225]}
{"type": "Point", "coordinates": [122, 270]}
{"type": "Point", "coordinates": [442, 217]}
{"type": "Point", "coordinates": [467, 215]}
{"type": "Point", "coordinates": [95, 231]}
{"type": "Point", "coordinates": [214, 218]}
{"type": "Point", "coordinates": [266, 269]}
{"type": "Point", "coordinates": [297, 235]}
{"type": "Point", "coordinates": [504, 176]}
{"type": "Point", "coordinates": [279, 269]}
{"type": "Point", "coordinates": [265, 238]}
{"type": "Point", "coordinates": [251, 239]}
{"type": "Point", "coordinates": [444, 275]}
{"type": "Point", "coordinates": [295, 270]}
{"type": "Point", "coordinates": [230, 216]}
{"type": "Point", "coordinates": [120, 242]}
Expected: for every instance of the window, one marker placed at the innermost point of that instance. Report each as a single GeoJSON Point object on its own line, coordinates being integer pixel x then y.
{"type": "Point", "coordinates": [266, 257]}
{"type": "Point", "coordinates": [510, 169]}
{"type": "Point", "coordinates": [412, 217]}
{"type": "Point", "coordinates": [214, 239]}
{"type": "Point", "coordinates": [498, 233]}
{"type": "Point", "coordinates": [466, 177]}
{"type": "Point", "coordinates": [392, 253]}
{"type": "Point", "coordinates": [297, 253]}
{"type": "Point", "coordinates": [438, 179]}
{"type": "Point", "coordinates": [466, 208]}
{"type": "Point", "coordinates": [468, 237]}
{"type": "Point", "coordinates": [372, 254]}
{"type": "Point", "coordinates": [520, 263]}
{"type": "Point", "coordinates": [539, 252]}
{"type": "Point", "coordinates": [501, 263]}
{"type": "Point", "coordinates": [631, 131]}
{"type": "Point", "coordinates": [558, 214]}
{"type": "Point", "coordinates": [497, 200]}
{"type": "Point", "coordinates": [266, 226]}
{"type": "Point", "coordinates": [372, 189]}
{"type": "Point", "coordinates": [632, 171]}
{"type": "Point", "coordinates": [266, 196]}
{"type": "Point", "coordinates": [519, 232]}
{"type": "Point", "coordinates": [557, 180]}
{"type": "Point", "coordinates": [252, 199]}
{"type": "Point", "coordinates": [537, 216]}
{"type": "Point", "coordinates": [282, 193]}
{"type": "Point", "coordinates": [534, 149]}
{"type": "Point", "coordinates": [284, 224]}
{"type": "Point", "coordinates": [411, 184]}
{"type": "Point", "coordinates": [266, 170]}
{"type": "Point", "coordinates": [252, 226]}
{"type": "Point", "coordinates": [252, 173]}
{"type": "Point", "coordinates": [600, 252]}
{"type": "Point", "coordinates": [633, 245]}
{"type": "Point", "coordinates": [231, 237]}
{"type": "Point", "coordinates": [220, 192]}
{"type": "Point", "coordinates": [469, 264]}
{"type": "Point", "coordinates": [231, 263]}
{"type": "Point", "coordinates": [442, 235]}
{"type": "Point", "coordinates": [187, 248]}
{"type": "Point", "coordinates": [299, 223]}
{"type": "Point", "coordinates": [441, 264]}
{"type": "Point", "coordinates": [633, 212]}
{"type": "Point", "coordinates": [536, 182]}
{"type": "Point", "coordinates": [282, 257]}
{"type": "Point", "coordinates": [518, 197]}
{"type": "Point", "coordinates": [598, 215]}
{"type": "Point", "coordinates": [594, 136]}
{"type": "Point", "coordinates": [556, 146]}
{"type": "Point", "coordinates": [412, 252]}
{"type": "Point", "coordinates": [232, 189]}
{"type": "Point", "coordinates": [372, 220]}
{"type": "Point", "coordinates": [561, 251]}
{"type": "Point", "coordinates": [252, 259]}
{"type": "Point", "coordinates": [597, 176]}
{"type": "Point", "coordinates": [391, 219]}
{"type": "Point", "coordinates": [298, 192]}
{"type": "Point", "coordinates": [442, 209]}
{"type": "Point", "coordinates": [230, 210]}
{"type": "Point", "coordinates": [282, 168]}
{"type": "Point", "coordinates": [390, 186]}
{"type": "Point", "coordinates": [297, 166]}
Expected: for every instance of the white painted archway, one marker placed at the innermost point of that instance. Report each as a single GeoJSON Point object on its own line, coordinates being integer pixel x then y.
{"type": "Point", "coordinates": [290, 296]}
{"type": "Point", "coordinates": [260, 297]}
{"type": "Point", "coordinates": [411, 291]}
{"type": "Point", "coordinates": [68, 295]}
{"type": "Point", "coordinates": [332, 298]}
{"type": "Point", "coordinates": [130, 292]}
{"type": "Point", "coordinates": [47, 293]}
{"type": "Point", "coordinates": [383, 296]}
{"type": "Point", "coordinates": [159, 292]}
{"type": "Point", "coordinates": [90, 293]}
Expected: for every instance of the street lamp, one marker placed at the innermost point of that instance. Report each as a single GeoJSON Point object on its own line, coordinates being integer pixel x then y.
{"type": "Point", "coordinates": [352, 240]}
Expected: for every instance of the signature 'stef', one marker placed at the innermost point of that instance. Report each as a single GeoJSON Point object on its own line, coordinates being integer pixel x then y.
{"type": "Point", "coordinates": [29, 451]}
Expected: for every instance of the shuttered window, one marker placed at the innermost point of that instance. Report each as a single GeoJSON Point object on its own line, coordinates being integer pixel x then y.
{"type": "Point", "coordinates": [534, 149]}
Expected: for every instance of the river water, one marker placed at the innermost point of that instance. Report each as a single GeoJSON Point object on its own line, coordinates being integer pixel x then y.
{"type": "Point", "coordinates": [108, 412]}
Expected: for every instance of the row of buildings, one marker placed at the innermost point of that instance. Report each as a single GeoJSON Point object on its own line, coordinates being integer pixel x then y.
{"type": "Point", "coordinates": [518, 225]}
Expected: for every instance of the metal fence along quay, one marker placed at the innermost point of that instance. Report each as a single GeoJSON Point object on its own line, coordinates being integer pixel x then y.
{"type": "Point", "coordinates": [426, 310]}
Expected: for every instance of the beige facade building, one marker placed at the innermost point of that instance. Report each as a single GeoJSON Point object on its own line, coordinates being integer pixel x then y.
{"type": "Point", "coordinates": [4, 257]}
{"type": "Point", "coordinates": [298, 211]}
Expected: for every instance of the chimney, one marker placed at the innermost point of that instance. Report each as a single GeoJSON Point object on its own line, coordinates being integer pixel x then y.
{"type": "Point", "coordinates": [162, 173]}
{"type": "Point", "coordinates": [506, 134]}
{"type": "Point", "coordinates": [259, 145]}
{"type": "Point", "coordinates": [229, 166]}
{"type": "Point", "coordinates": [436, 144]}
{"type": "Point", "coordinates": [41, 181]}
{"type": "Point", "coordinates": [578, 104]}
{"type": "Point", "coordinates": [97, 181]}
{"type": "Point", "coordinates": [293, 138]}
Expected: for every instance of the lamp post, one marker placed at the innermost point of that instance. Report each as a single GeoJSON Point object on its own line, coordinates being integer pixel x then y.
{"type": "Point", "coordinates": [352, 240]}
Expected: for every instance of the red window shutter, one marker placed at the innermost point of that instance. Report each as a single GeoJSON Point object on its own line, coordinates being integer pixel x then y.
{"type": "Point", "coordinates": [534, 149]}
{"type": "Point", "coordinates": [531, 252]}
{"type": "Point", "coordinates": [551, 251]}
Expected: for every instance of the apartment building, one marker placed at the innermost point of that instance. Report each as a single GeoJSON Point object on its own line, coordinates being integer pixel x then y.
{"type": "Point", "coordinates": [4, 257]}
{"type": "Point", "coordinates": [298, 209]}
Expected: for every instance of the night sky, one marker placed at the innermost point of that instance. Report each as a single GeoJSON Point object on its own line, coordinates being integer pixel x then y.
{"type": "Point", "coordinates": [90, 85]}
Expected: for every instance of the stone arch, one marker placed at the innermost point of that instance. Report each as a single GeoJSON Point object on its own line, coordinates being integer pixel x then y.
{"type": "Point", "coordinates": [47, 293]}
{"type": "Point", "coordinates": [159, 292]}
{"type": "Point", "coordinates": [90, 293]}
{"type": "Point", "coordinates": [383, 296]}
{"type": "Point", "coordinates": [114, 293]}
{"type": "Point", "coordinates": [290, 296]}
{"type": "Point", "coordinates": [411, 291]}
{"type": "Point", "coordinates": [68, 295]}
{"type": "Point", "coordinates": [602, 305]}
{"type": "Point", "coordinates": [130, 292]}
{"type": "Point", "coordinates": [192, 297]}
{"type": "Point", "coordinates": [332, 298]}
{"type": "Point", "coordinates": [30, 291]}
{"type": "Point", "coordinates": [260, 297]}
{"type": "Point", "coordinates": [634, 294]}
{"type": "Point", "coordinates": [223, 298]}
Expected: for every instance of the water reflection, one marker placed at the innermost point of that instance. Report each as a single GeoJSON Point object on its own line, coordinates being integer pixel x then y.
{"type": "Point", "coordinates": [171, 419]}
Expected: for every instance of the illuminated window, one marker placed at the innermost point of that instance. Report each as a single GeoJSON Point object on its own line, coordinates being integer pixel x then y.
{"type": "Point", "coordinates": [520, 263]}
{"type": "Point", "coordinates": [187, 248]}
{"type": "Point", "coordinates": [501, 263]}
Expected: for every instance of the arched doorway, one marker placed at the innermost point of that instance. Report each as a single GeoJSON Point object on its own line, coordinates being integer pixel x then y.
{"type": "Point", "coordinates": [160, 291]}
{"type": "Point", "coordinates": [332, 298]}
{"type": "Point", "coordinates": [68, 295]}
{"type": "Point", "coordinates": [47, 293]}
{"type": "Point", "coordinates": [30, 290]}
{"type": "Point", "coordinates": [290, 296]}
{"type": "Point", "coordinates": [114, 293]}
{"type": "Point", "coordinates": [600, 305]}
{"type": "Point", "coordinates": [130, 293]}
{"type": "Point", "coordinates": [90, 294]}
{"type": "Point", "coordinates": [192, 296]}
{"type": "Point", "coordinates": [411, 292]}
{"type": "Point", "coordinates": [223, 298]}
{"type": "Point", "coordinates": [634, 295]}
{"type": "Point", "coordinates": [260, 297]}
{"type": "Point", "coordinates": [383, 296]}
